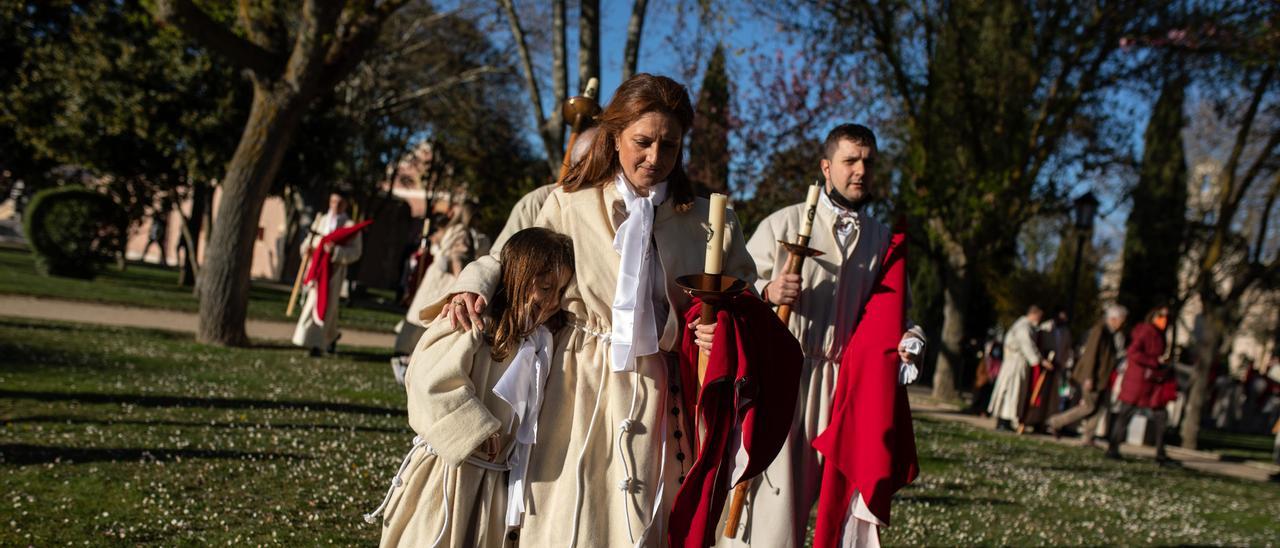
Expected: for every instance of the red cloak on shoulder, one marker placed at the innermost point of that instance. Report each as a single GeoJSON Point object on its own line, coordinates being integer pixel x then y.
{"type": "Point", "coordinates": [870, 446]}
{"type": "Point", "coordinates": [318, 272]}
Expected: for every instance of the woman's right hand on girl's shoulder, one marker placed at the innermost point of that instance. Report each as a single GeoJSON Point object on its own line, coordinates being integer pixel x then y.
{"type": "Point", "coordinates": [464, 309]}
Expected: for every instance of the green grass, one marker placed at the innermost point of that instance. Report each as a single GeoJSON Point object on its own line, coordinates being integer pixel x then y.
{"type": "Point", "coordinates": [985, 487]}
{"type": "Point", "coordinates": [151, 286]}
{"type": "Point", "coordinates": [117, 436]}
{"type": "Point", "coordinates": [114, 435]}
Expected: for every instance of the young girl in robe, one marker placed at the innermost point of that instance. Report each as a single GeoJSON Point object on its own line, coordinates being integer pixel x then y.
{"type": "Point", "coordinates": [474, 399]}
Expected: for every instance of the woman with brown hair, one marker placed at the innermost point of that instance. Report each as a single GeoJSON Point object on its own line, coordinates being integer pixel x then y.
{"type": "Point", "coordinates": [616, 445]}
{"type": "Point", "coordinates": [474, 402]}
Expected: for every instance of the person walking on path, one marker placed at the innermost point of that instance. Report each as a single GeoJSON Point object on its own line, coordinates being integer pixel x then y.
{"type": "Point", "coordinates": [1149, 382]}
{"type": "Point", "coordinates": [1093, 375]}
{"type": "Point", "coordinates": [1009, 397]}
{"type": "Point", "coordinates": [318, 333]}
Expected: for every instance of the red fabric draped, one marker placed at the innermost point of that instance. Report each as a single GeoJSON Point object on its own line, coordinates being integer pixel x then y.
{"type": "Point", "coordinates": [318, 272]}
{"type": "Point", "coordinates": [870, 446]}
{"type": "Point", "coordinates": [752, 382]}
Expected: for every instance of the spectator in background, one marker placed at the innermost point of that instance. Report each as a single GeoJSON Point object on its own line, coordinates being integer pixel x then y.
{"type": "Point", "coordinates": [1009, 396]}
{"type": "Point", "coordinates": [1054, 342]}
{"type": "Point", "coordinates": [1149, 382]}
{"type": "Point", "coordinates": [1093, 374]}
{"type": "Point", "coordinates": [988, 369]}
{"type": "Point", "coordinates": [158, 234]}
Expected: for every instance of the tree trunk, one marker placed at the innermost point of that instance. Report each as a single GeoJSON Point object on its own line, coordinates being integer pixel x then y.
{"type": "Point", "coordinates": [224, 279]}
{"type": "Point", "coordinates": [191, 234]}
{"type": "Point", "coordinates": [955, 293]}
{"type": "Point", "coordinates": [588, 43]}
{"type": "Point", "coordinates": [1212, 331]}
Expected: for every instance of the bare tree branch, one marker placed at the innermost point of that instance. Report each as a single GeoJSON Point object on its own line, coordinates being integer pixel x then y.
{"type": "Point", "coordinates": [526, 63]}
{"type": "Point", "coordinates": [358, 32]}
{"type": "Point", "coordinates": [315, 37]}
{"type": "Point", "coordinates": [1260, 242]}
{"type": "Point", "coordinates": [631, 53]}
{"type": "Point", "coordinates": [193, 21]}
{"type": "Point", "coordinates": [464, 77]}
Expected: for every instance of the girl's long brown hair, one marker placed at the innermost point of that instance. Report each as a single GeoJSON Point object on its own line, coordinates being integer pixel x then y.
{"type": "Point", "coordinates": [529, 253]}
{"type": "Point", "coordinates": [639, 95]}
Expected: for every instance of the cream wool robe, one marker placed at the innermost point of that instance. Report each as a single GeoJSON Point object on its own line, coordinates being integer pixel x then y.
{"type": "Point", "coordinates": [308, 333]}
{"type": "Point", "coordinates": [1012, 384]}
{"type": "Point", "coordinates": [577, 467]}
{"type": "Point", "coordinates": [834, 284]}
{"type": "Point", "coordinates": [433, 284]}
{"type": "Point", "coordinates": [435, 280]}
{"type": "Point", "coordinates": [453, 409]}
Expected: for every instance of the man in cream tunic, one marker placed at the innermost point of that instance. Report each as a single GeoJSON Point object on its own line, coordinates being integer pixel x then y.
{"type": "Point", "coordinates": [309, 334]}
{"type": "Point", "coordinates": [615, 448]}
{"type": "Point", "coordinates": [1009, 397]}
{"type": "Point", "coordinates": [827, 297]}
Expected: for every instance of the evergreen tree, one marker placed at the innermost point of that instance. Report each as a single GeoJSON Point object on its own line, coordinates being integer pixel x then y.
{"type": "Point", "coordinates": [708, 162]}
{"type": "Point", "coordinates": [1157, 222]}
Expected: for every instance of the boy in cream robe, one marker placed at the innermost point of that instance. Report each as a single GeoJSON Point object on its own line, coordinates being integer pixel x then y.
{"type": "Point", "coordinates": [308, 334]}
{"type": "Point", "coordinates": [826, 298]}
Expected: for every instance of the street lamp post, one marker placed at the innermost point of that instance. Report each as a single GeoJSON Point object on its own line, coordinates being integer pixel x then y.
{"type": "Point", "coordinates": [1083, 210]}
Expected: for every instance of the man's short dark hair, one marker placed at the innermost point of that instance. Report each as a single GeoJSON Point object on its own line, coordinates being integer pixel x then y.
{"type": "Point", "coordinates": [857, 133]}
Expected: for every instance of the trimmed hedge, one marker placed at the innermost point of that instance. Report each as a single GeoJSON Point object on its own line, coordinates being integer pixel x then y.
{"type": "Point", "coordinates": [74, 231]}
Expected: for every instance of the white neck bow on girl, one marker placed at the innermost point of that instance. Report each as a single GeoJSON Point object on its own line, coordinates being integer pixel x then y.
{"type": "Point", "coordinates": [521, 386]}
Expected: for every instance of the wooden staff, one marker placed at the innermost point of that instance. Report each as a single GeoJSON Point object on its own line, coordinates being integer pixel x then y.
{"type": "Point", "coordinates": [798, 251]}
{"type": "Point", "coordinates": [302, 272]}
{"type": "Point", "coordinates": [579, 114]}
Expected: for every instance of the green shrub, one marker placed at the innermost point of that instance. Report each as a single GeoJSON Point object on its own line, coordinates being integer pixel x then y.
{"type": "Point", "coordinates": [74, 231]}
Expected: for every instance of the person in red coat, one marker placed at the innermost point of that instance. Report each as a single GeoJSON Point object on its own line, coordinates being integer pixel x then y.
{"type": "Point", "coordinates": [1149, 382]}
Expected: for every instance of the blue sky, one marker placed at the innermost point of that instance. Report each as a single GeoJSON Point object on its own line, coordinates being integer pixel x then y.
{"type": "Point", "coordinates": [673, 37]}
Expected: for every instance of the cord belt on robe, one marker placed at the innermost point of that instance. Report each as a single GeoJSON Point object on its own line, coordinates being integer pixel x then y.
{"type": "Point", "coordinates": [752, 382]}
{"type": "Point", "coordinates": [319, 270]}
{"type": "Point", "coordinates": [869, 445]}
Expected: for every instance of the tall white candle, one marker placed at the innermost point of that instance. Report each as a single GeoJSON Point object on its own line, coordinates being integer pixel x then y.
{"type": "Point", "coordinates": [810, 209]}
{"type": "Point", "coordinates": [715, 243]}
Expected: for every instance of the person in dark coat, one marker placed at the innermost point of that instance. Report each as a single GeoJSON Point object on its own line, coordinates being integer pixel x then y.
{"type": "Point", "coordinates": [1146, 382]}
{"type": "Point", "coordinates": [1093, 374]}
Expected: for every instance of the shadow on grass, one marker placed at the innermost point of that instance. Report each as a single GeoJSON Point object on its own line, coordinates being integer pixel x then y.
{"type": "Point", "coordinates": [23, 454]}
{"type": "Point", "coordinates": [187, 401]}
{"type": "Point", "coordinates": [946, 500]}
{"type": "Point", "coordinates": [351, 354]}
{"type": "Point", "coordinates": [21, 324]}
{"type": "Point", "coordinates": [60, 419]}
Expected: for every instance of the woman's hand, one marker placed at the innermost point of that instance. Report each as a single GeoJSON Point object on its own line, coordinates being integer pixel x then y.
{"type": "Point", "coordinates": [702, 336]}
{"type": "Point", "coordinates": [464, 309]}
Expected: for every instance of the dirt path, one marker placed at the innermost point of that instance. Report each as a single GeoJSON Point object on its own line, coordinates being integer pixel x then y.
{"type": "Point", "coordinates": [1202, 461]}
{"type": "Point", "coordinates": [168, 320]}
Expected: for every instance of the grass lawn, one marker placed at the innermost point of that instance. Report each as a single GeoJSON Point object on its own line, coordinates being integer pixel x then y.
{"type": "Point", "coordinates": [130, 436]}
{"type": "Point", "coordinates": [151, 286]}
